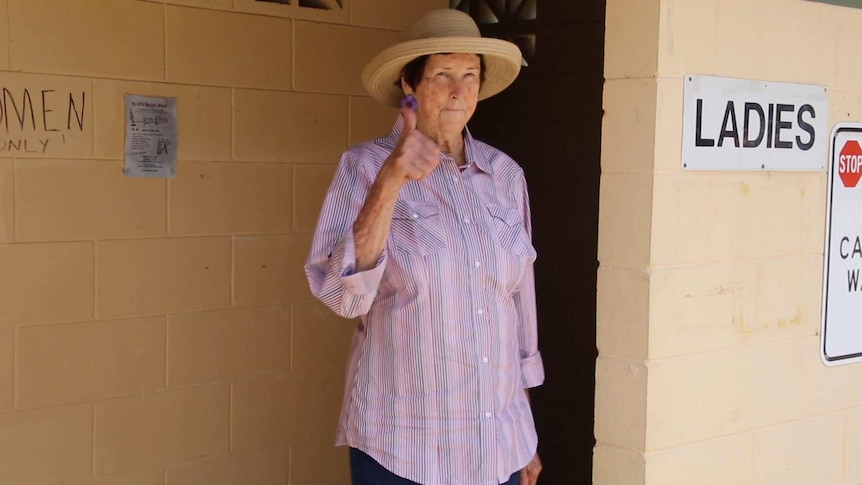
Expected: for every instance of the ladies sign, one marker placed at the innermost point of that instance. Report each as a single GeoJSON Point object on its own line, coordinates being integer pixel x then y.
{"type": "Point", "coordinates": [738, 124]}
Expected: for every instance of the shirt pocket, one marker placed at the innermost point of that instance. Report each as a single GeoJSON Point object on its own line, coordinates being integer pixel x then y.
{"type": "Point", "coordinates": [510, 230]}
{"type": "Point", "coordinates": [417, 227]}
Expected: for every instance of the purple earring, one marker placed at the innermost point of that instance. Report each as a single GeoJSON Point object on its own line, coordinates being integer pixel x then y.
{"type": "Point", "coordinates": [410, 101]}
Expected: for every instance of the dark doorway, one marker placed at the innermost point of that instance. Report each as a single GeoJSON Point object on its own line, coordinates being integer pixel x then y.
{"type": "Point", "coordinates": [550, 122]}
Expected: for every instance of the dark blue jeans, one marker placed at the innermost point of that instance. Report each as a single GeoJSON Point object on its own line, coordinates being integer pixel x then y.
{"type": "Point", "coordinates": [364, 470]}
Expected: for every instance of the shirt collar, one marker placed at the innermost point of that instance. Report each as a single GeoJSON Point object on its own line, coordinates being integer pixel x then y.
{"type": "Point", "coordinates": [472, 152]}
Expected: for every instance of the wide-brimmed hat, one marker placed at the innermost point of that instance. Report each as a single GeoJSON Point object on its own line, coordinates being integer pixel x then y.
{"type": "Point", "coordinates": [439, 32]}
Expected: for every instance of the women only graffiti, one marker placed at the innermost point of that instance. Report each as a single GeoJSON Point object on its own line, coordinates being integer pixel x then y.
{"type": "Point", "coordinates": [32, 121]}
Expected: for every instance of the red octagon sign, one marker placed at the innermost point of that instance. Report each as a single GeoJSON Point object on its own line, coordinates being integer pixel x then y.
{"type": "Point", "coordinates": [850, 163]}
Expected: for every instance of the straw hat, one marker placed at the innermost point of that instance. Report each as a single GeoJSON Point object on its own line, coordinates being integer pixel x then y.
{"type": "Point", "coordinates": [438, 32]}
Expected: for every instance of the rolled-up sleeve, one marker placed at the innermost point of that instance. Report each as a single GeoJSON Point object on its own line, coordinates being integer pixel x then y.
{"type": "Point", "coordinates": [331, 264]}
{"type": "Point", "coordinates": [532, 368]}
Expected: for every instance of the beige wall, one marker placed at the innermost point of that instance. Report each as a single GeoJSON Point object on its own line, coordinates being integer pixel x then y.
{"type": "Point", "coordinates": [709, 286]}
{"type": "Point", "coordinates": [157, 331]}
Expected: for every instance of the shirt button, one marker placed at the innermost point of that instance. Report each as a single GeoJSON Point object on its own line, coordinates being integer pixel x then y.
{"type": "Point", "coordinates": [488, 414]}
{"type": "Point", "coordinates": [485, 360]}
{"type": "Point", "coordinates": [480, 311]}
{"type": "Point", "coordinates": [478, 263]}
{"type": "Point", "coordinates": [466, 220]}
{"type": "Point", "coordinates": [455, 178]}
{"type": "Point", "coordinates": [415, 215]}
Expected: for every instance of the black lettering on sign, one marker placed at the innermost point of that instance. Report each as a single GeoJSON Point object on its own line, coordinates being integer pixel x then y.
{"type": "Point", "coordinates": [773, 121]}
{"type": "Point", "coordinates": [698, 140]}
{"type": "Point", "coordinates": [19, 109]}
{"type": "Point", "coordinates": [780, 124]}
{"type": "Point", "coordinates": [806, 127]}
{"type": "Point", "coordinates": [748, 142]}
{"type": "Point", "coordinates": [729, 117]}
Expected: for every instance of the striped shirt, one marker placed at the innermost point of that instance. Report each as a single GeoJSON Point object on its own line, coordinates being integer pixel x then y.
{"type": "Point", "coordinates": [447, 340]}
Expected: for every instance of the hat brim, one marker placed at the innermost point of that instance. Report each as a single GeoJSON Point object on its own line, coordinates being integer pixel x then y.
{"type": "Point", "coordinates": [502, 64]}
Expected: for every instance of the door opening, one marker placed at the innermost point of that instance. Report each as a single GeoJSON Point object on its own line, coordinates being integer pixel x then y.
{"type": "Point", "coordinates": [550, 121]}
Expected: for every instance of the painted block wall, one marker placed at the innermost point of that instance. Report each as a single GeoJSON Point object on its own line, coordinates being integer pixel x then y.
{"type": "Point", "coordinates": [160, 331]}
{"type": "Point", "coordinates": [710, 283]}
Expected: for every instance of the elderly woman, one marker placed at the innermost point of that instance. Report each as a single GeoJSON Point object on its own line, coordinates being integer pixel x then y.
{"type": "Point", "coordinates": [425, 235]}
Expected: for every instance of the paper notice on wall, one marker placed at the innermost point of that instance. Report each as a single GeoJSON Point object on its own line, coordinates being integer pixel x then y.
{"type": "Point", "coordinates": [151, 137]}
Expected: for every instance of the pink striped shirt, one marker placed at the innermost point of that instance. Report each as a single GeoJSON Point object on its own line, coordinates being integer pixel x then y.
{"type": "Point", "coordinates": [447, 341]}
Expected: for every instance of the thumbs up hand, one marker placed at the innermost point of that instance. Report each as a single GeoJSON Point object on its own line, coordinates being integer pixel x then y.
{"type": "Point", "coordinates": [415, 156]}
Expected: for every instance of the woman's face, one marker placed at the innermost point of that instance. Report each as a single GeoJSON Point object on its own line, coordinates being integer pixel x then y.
{"type": "Point", "coordinates": [447, 93]}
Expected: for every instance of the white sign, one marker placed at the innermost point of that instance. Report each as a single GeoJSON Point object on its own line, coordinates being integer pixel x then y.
{"type": "Point", "coordinates": [151, 137]}
{"type": "Point", "coordinates": [841, 330]}
{"type": "Point", "coordinates": [738, 124]}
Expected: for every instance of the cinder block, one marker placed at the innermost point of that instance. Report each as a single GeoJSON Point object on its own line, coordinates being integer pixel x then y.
{"type": "Point", "coordinates": [346, 50]}
{"type": "Point", "coordinates": [369, 119]}
{"type": "Point", "coordinates": [46, 116]}
{"type": "Point", "coordinates": [705, 307]}
{"type": "Point", "coordinates": [231, 198]}
{"type": "Point", "coordinates": [814, 219]}
{"type": "Point", "coordinates": [779, 53]}
{"type": "Point", "coordinates": [214, 47]}
{"type": "Point", "coordinates": [623, 312]}
{"type": "Point", "coordinates": [310, 185]}
{"type": "Point", "coordinates": [7, 367]}
{"type": "Point", "coordinates": [319, 463]}
{"type": "Point", "coordinates": [264, 467]}
{"type": "Point", "coordinates": [738, 40]}
{"type": "Point", "coordinates": [849, 37]}
{"type": "Point", "coordinates": [317, 401]}
{"type": "Point", "coordinates": [122, 38]}
{"type": "Point", "coordinates": [802, 452]}
{"type": "Point", "coordinates": [715, 394]}
{"type": "Point", "coordinates": [625, 217]}
{"type": "Point", "coordinates": [843, 106]}
{"type": "Point", "coordinates": [4, 34]}
{"type": "Point", "coordinates": [321, 338]}
{"type": "Point", "coordinates": [629, 126]}
{"type": "Point", "coordinates": [261, 413]}
{"type": "Point", "coordinates": [391, 14]}
{"type": "Point", "coordinates": [151, 429]}
{"type": "Point", "coordinates": [157, 276]}
{"type": "Point", "coordinates": [86, 361]}
{"type": "Point", "coordinates": [67, 200]}
{"type": "Point", "coordinates": [50, 445]}
{"type": "Point", "coordinates": [7, 200]}
{"type": "Point", "coordinates": [826, 389]}
{"type": "Point", "coordinates": [230, 344]}
{"type": "Point", "coordinates": [289, 127]}
{"type": "Point", "coordinates": [853, 447]}
{"type": "Point", "coordinates": [789, 294]}
{"type": "Point", "coordinates": [779, 199]}
{"type": "Point", "coordinates": [632, 38]}
{"type": "Point", "coordinates": [696, 218]}
{"type": "Point", "coordinates": [621, 403]}
{"type": "Point", "coordinates": [154, 477]}
{"type": "Point", "coordinates": [329, 11]}
{"type": "Point", "coordinates": [614, 466]}
{"type": "Point", "coordinates": [214, 4]}
{"type": "Point", "coordinates": [203, 117]}
{"type": "Point", "coordinates": [269, 270]}
{"type": "Point", "coordinates": [715, 462]}
{"type": "Point", "coordinates": [669, 107]}
{"type": "Point", "coordinates": [687, 37]}
{"type": "Point", "coordinates": [46, 283]}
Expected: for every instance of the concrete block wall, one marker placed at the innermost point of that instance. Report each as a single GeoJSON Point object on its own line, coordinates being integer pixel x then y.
{"type": "Point", "coordinates": [160, 331]}
{"type": "Point", "coordinates": [710, 283]}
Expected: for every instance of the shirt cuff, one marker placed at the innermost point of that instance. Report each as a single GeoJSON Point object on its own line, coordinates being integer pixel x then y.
{"type": "Point", "coordinates": [363, 282]}
{"type": "Point", "coordinates": [532, 371]}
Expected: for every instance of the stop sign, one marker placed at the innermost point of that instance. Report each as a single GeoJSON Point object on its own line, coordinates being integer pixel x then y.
{"type": "Point", "coordinates": [850, 163]}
